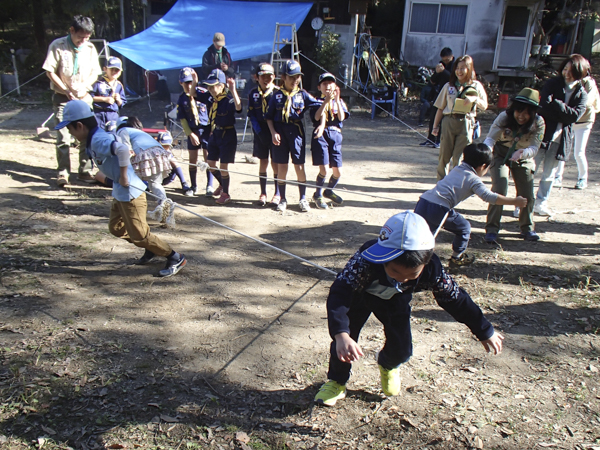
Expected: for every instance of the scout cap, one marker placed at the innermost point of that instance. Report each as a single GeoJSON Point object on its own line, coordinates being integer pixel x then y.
{"type": "Point", "coordinates": [164, 137]}
{"type": "Point", "coordinates": [293, 68]}
{"type": "Point", "coordinates": [404, 231]}
{"type": "Point", "coordinates": [114, 63]}
{"type": "Point", "coordinates": [265, 69]}
{"type": "Point", "coordinates": [215, 77]}
{"type": "Point", "coordinates": [326, 76]}
{"type": "Point", "coordinates": [219, 38]}
{"type": "Point", "coordinates": [74, 110]}
{"type": "Point", "coordinates": [185, 74]}
{"type": "Point", "coordinates": [529, 96]}
{"type": "Point", "coordinates": [122, 121]}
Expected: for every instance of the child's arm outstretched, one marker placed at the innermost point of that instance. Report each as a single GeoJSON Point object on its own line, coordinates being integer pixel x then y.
{"type": "Point", "coordinates": [516, 201]}
{"type": "Point", "coordinates": [493, 344]}
{"type": "Point", "coordinates": [236, 97]}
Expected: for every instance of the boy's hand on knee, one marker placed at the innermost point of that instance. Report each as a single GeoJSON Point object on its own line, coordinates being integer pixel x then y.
{"type": "Point", "coordinates": [347, 349]}
{"type": "Point", "coordinates": [493, 344]}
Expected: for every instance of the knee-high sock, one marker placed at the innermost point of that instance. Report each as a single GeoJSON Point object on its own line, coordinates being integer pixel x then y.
{"type": "Point", "coordinates": [333, 181]}
{"type": "Point", "coordinates": [108, 182]}
{"type": "Point", "coordinates": [218, 177]}
{"type": "Point", "coordinates": [281, 185]}
{"type": "Point", "coordinates": [193, 176]}
{"type": "Point", "coordinates": [171, 177]}
{"type": "Point", "coordinates": [210, 178]}
{"type": "Point", "coordinates": [263, 183]}
{"type": "Point", "coordinates": [276, 185]}
{"type": "Point", "coordinates": [180, 175]}
{"type": "Point", "coordinates": [225, 183]}
{"type": "Point", "coordinates": [320, 183]}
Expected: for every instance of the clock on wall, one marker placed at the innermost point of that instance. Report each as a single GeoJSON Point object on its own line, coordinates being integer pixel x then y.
{"type": "Point", "coordinates": [317, 23]}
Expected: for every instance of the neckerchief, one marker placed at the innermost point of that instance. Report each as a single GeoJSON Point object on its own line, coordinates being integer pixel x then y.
{"type": "Point", "coordinates": [76, 50]}
{"type": "Point", "coordinates": [194, 108]}
{"type": "Point", "coordinates": [516, 138]}
{"type": "Point", "coordinates": [264, 96]}
{"type": "Point", "coordinates": [111, 84]}
{"type": "Point", "coordinates": [213, 110]}
{"type": "Point", "coordinates": [329, 111]}
{"type": "Point", "coordinates": [219, 56]}
{"type": "Point", "coordinates": [285, 114]}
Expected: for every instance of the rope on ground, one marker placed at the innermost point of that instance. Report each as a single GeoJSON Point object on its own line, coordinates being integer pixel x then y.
{"type": "Point", "coordinates": [272, 247]}
{"type": "Point", "coordinates": [20, 86]}
{"type": "Point", "coordinates": [203, 166]}
{"type": "Point", "coordinates": [349, 86]}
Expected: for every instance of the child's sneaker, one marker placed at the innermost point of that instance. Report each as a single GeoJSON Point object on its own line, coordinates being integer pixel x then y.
{"type": "Point", "coordinates": [282, 206]}
{"type": "Point", "coordinates": [210, 191]}
{"type": "Point", "coordinates": [223, 199]}
{"type": "Point", "coordinates": [319, 201]}
{"type": "Point", "coordinates": [262, 200]}
{"type": "Point", "coordinates": [462, 260]}
{"type": "Point", "coordinates": [557, 183]}
{"type": "Point", "coordinates": [336, 199]}
{"type": "Point", "coordinates": [390, 381]}
{"type": "Point", "coordinates": [581, 184]}
{"type": "Point", "coordinates": [173, 267]}
{"type": "Point", "coordinates": [187, 190]}
{"type": "Point", "coordinates": [217, 192]}
{"type": "Point", "coordinates": [330, 393]}
{"type": "Point", "coordinates": [275, 200]}
{"type": "Point", "coordinates": [304, 206]}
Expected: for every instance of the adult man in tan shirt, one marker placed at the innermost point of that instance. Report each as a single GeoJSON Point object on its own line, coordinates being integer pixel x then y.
{"type": "Point", "coordinates": [72, 66]}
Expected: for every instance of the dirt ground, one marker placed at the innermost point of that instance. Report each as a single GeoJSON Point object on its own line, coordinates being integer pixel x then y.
{"type": "Point", "coordinates": [98, 353]}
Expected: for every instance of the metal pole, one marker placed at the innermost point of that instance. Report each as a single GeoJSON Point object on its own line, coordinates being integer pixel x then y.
{"type": "Point", "coordinates": [14, 61]}
{"type": "Point", "coordinates": [122, 12]}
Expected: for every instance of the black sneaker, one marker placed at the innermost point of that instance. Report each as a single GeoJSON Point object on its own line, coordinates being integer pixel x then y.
{"type": "Point", "coordinates": [173, 267]}
{"type": "Point", "coordinates": [145, 259]}
{"type": "Point", "coordinates": [463, 260]}
{"type": "Point", "coordinates": [336, 199]}
{"type": "Point", "coordinates": [427, 143]}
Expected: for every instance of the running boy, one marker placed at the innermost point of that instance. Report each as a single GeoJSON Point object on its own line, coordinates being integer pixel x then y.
{"type": "Point", "coordinates": [326, 144]}
{"type": "Point", "coordinates": [284, 117]}
{"type": "Point", "coordinates": [462, 182]}
{"type": "Point", "coordinates": [109, 94]}
{"type": "Point", "coordinates": [258, 100]}
{"type": "Point", "coordinates": [380, 278]}
{"type": "Point", "coordinates": [128, 211]}
{"type": "Point", "coordinates": [193, 115]}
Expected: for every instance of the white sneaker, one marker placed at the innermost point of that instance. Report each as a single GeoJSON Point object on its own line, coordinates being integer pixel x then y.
{"type": "Point", "coordinates": [557, 183]}
{"type": "Point", "coordinates": [542, 210]}
{"type": "Point", "coordinates": [209, 191]}
{"type": "Point", "coordinates": [304, 206]}
{"type": "Point", "coordinates": [516, 212]}
{"type": "Point", "coordinates": [282, 206]}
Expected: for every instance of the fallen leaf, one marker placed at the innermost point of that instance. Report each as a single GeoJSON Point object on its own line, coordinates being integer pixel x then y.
{"type": "Point", "coordinates": [543, 444]}
{"type": "Point", "coordinates": [242, 437]}
{"type": "Point", "coordinates": [41, 442]}
{"type": "Point", "coordinates": [593, 369]}
{"type": "Point", "coordinates": [48, 430]}
{"type": "Point", "coordinates": [154, 404]}
{"type": "Point", "coordinates": [477, 442]}
{"type": "Point", "coordinates": [168, 419]}
{"type": "Point", "coordinates": [506, 431]}
{"type": "Point", "coordinates": [117, 446]}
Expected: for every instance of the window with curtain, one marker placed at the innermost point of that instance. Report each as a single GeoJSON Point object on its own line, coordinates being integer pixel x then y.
{"type": "Point", "coordinates": [438, 18]}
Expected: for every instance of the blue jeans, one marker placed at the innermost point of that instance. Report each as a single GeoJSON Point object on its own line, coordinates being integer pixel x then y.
{"type": "Point", "coordinates": [455, 223]}
{"type": "Point", "coordinates": [546, 156]}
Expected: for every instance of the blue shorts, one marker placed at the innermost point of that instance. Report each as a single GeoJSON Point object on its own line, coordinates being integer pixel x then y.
{"type": "Point", "coordinates": [292, 143]}
{"type": "Point", "coordinates": [102, 117]}
{"type": "Point", "coordinates": [222, 145]}
{"type": "Point", "coordinates": [263, 142]}
{"type": "Point", "coordinates": [327, 150]}
{"type": "Point", "coordinates": [203, 133]}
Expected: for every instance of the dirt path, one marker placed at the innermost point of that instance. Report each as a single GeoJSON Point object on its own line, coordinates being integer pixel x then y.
{"type": "Point", "coordinates": [98, 353]}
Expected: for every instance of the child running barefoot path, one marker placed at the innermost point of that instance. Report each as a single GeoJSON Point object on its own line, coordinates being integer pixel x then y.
{"type": "Point", "coordinates": [128, 211]}
{"type": "Point", "coordinates": [380, 279]}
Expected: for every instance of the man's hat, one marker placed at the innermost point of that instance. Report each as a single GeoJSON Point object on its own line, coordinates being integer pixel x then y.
{"type": "Point", "coordinates": [326, 76]}
{"type": "Point", "coordinates": [529, 96]}
{"type": "Point", "coordinates": [293, 68]}
{"type": "Point", "coordinates": [215, 77]}
{"type": "Point", "coordinates": [164, 137]}
{"type": "Point", "coordinates": [74, 110]}
{"type": "Point", "coordinates": [404, 231]}
{"type": "Point", "coordinates": [219, 38]}
{"type": "Point", "coordinates": [185, 74]}
{"type": "Point", "coordinates": [265, 69]}
{"type": "Point", "coordinates": [114, 63]}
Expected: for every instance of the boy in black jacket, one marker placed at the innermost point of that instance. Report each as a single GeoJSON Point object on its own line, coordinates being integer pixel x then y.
{"type": "Point", "coordinates": [380, 279]}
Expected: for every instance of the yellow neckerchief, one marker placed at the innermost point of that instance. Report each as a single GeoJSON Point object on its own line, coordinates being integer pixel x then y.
{"type": "Point", "coordinates": [213, 110]}
{"type": "Point", "coordinates": [285, 114]}
{"type": "Point", "coordinates": [264, 95]}
{"type": "Point", "coordinates": [194, 109]}
{"type": "Point", "coordinates": [328, 110]}
{"type": "Point", "coordinates": [111, 84]}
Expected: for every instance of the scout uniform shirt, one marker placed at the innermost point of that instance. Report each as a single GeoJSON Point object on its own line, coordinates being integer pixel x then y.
{"type": "Point", "coordinates": [61, 58]}
{"type": "Point", "coordinates": [504, 140]}
{"type": "Point", "coordinates": [277, 111]}
{"type": "Point", "coordinates": [102, 88]}
{"type": "Point", "coordinates": [446, 100]}
{"type": "Point", "coordinates": [332, 119]}
{"type": "Point", "coordinates": [185, 108]}
{"type": "Point", "coordinates": [258, 104]}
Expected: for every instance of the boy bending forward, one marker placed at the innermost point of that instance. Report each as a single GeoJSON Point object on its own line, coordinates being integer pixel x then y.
{"type": "Point", "coordinates": [380, 279]}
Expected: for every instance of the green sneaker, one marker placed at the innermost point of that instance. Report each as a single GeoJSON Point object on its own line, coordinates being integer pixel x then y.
{"type": "Point", "coordinates": [336, 199]}
{"type": "Point", "coordinates": [390, 381]}
{"type": "Point", "coordinates": [330, 392]}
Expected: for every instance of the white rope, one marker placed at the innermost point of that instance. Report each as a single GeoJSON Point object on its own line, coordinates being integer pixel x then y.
{"type": "Point", "coordinates": [202, 166]}
{"type": "Point", "coordinates": [20, 86]}
{"type": "Point", "coordinates": [272, 247]}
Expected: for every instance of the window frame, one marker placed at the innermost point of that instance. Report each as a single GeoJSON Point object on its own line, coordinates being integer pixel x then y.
{"type": "Point", "coordinates": [437, 24]}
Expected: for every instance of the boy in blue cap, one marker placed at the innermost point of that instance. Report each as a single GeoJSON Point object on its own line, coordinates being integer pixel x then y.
{"type": "Point", "coordinates": [381, 278]}
{"type": "Point", "coordinates": [258, 101]}
{"type": "Point", "coordinates": [193, 115]}
{"type": "Point", "coordinates": [284, 117]}
{"type": "Point", "coordinates": [127, 218]}
{"type": "Point", "coordinates": [109, 94]}
{"type": "Point", "coordinates": [326, 144]}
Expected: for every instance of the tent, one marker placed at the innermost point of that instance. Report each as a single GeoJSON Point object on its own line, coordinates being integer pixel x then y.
{"type": "Point", "coordinates": [181, 36]}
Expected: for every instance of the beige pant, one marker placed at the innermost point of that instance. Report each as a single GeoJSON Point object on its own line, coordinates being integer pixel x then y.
{"type": "Point", "coordinates": [456, 134]}
{"type": "Point", "coordinates": [127, 220]}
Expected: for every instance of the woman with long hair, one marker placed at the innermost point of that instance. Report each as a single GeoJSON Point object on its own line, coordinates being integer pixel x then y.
{"type": "Point", "coordinates": [457, 105]}
{"type": "Point", "coordinates": [515, 137]}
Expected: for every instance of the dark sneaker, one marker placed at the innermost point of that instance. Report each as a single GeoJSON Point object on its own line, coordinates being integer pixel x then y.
{"type": "Point", "coordinates": [173, 267]}
{"type": "Point", "coordinates": [529, 236]}
{"type": "Point", "coordinates": [336, 199]}
{"type": "Point", "coordinates": [462, 260]}
{"type": "Point", "coordinates": [436, 145]}
{"type": "Point", "coordinates": [86, 178]}
{"type": "Point", "coordinates": [319, 201]}
{"type": "Point", "coordinates": [62, 180]}
{"type": "Point", "coordinates": [427, 143]}
{"type": "Point", "coordinates": [145, 259]}
{"type": "Point", "coordinates": [330, 393]}
{"type": "Point", "coordinates": [490, 238]}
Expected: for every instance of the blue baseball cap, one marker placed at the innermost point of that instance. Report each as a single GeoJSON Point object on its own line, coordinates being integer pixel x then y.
{"type": "Point", "coordinates": [114, 63]}
{"type": "Point", "coordinates": [326, 76]}
{"type": "Point", "coordinates": [185, 74]}
{"type": "Point", "coordinates": [215, 77]}
{"type": "Point", "coordinates": [404, 231]}
{"type": "Point", "coordinates": [74, 110]}
{"type": "Point", "coordinates": [164, 137]}
{"type": "Point", "coordinates": [122, 120]}
{"type": "Point", "coordinates": [293, 68]}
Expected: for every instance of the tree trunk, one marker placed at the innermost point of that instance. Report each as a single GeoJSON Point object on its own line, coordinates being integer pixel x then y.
{"type": "Point", "coordinates": [39, 29]}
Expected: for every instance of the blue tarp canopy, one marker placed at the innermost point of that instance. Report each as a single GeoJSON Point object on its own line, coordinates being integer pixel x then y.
{"type": "Point", "coordinates": [181, 36]}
